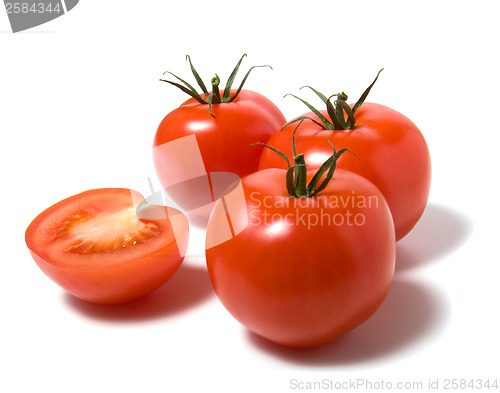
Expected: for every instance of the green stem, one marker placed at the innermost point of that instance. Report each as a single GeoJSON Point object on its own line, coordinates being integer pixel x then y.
{"type": "Point", "coordinates": [300, 181]}
{"type": "Point", "coordinates": [215, 96]}
{"type": "Point", "coordinates": [350, 114]}
{"type": "Point", "coordinates": [296, 175]}
{"type": "Point", "coordinates": [215, 90]}
{"type": "Point", "coordinates": [336, 111]}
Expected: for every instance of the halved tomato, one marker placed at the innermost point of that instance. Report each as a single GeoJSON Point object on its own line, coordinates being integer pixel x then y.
{"type": "Point", "coordinates": [108, 245]}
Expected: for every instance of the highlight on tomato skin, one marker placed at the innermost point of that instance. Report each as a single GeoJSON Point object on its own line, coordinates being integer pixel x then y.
{"type": "Point", "coordinates": [108, 245]}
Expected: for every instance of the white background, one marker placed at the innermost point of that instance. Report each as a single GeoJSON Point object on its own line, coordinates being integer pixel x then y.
{"type": "Point", "coordinates": [80, 101]}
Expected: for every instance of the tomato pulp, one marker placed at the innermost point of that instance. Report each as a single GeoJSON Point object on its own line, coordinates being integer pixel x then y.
{"type": "Point", "coordinates": [107, 245]}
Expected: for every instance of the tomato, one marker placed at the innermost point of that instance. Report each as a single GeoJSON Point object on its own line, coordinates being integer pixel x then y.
{"type": "Point", "coordinates": [390, 151]}
{"type": "Point", "coordinates": [107, 245]}
{"type": "Point", "coordinates": [200, 148]}
{"type": "Point", "coordinates": [301, 271]}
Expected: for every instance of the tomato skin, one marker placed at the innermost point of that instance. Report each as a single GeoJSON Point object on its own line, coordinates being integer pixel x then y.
{"type": "Point", "coordinates": [108, 277]}
{"type": "Point", "coordinates": [223, 144]}
{"type": "Point", "coordinates": [389, 149]}
{"type": "Point", "coordinates": [295, 284]}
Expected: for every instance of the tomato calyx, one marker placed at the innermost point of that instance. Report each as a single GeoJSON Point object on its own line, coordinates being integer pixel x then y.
{"type": "Point", "coordinates": [340, 113]}
{"type": "Point", "coordinates": [213, 97]}
{"type": "Point", "coordinates": [296, 175]}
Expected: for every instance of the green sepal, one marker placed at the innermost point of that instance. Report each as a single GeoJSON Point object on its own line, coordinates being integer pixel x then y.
{"type": "Point", "coordinates": [289, 182]}
{"type": "Point", "coordinates": [317, 176]}
{"type": "Point", "coordinates": [332, 165]}
{"type": "Point", "coordinates": [320, 95]}
{"type": "Point", "coordinates": [209, 101]}
{"type": "Point", "coordinates": [325, 121]}
{"type": "Point", "coordinates": [336, 112]}
{"type": "Point", "coordinates": [197, 76]}
{"type": "Point", "coordinates": [347, 109]}
{"type": "Point", "coordinates": [338, 121]}
{"type": "Point", "coordinates": [188, 89]}
{"type": "Point", "coordinates": [282, 155]}
{"type": "Point", "coordinates": [364, 95]}
{"type": "Point", "coordinates": [296, 175]}
{"type": "Point", "coordinates": [214, 97]}
{"type": "Point", "coordinates": [300, 119]}
{"type": "Point", "coordinates": [229, 84]}
{"type": "Point", "coordinates": [300, 172]}
{"type": "Point", "coordinates": [231, 99]}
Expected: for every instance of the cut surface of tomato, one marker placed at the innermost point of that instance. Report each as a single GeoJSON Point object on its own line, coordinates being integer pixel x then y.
{"type": "Point", "coordinates": [108, 245]}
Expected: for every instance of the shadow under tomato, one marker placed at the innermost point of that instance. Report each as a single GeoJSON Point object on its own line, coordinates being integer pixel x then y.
{"type": "Point", "coordinates": [189, 287]}
{"type": "Point", "coordinates": [440, 231]}
{"type": "Point", "coordinates": [411, 313]}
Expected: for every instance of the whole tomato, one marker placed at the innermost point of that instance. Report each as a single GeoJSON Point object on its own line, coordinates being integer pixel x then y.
{"type": "Point", "coordinates": [390, 151]}
{"type": "Point", "coordinates": [203, 146]}
{"type": "Point", "coordinates": [301, 265]}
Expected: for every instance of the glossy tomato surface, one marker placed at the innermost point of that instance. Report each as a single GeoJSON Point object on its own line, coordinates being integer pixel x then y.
{"type": "Point", "coordinates": [96, 246]}
{"type": "Point", "coordinates": [196, 155]}
{"type": "Point", "coordinates": [389, 149]}
{"type": "Point", "coordinates": [301, 271]}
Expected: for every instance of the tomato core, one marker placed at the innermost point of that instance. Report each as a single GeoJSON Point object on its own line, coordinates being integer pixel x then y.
{"type": "Point", "coordinates": [83, 232]}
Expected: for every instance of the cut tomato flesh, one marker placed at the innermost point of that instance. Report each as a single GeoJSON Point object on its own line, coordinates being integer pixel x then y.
{"type": "Point", "coordinates": [100, 247]}
{"type": "Point", "coordinates": [98, 227]}
{"type": "Point", "coordinates": [105, 232]}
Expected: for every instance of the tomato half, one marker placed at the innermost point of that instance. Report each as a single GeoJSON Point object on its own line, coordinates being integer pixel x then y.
{"type": "Point", "coordinates": [301, 271]}
{"type": "Point", "coordinates": [107, 245]}
{"type": "Point", "coordinates": [389, 149]}
{"type": "Point", "coordinates": [197, 155]}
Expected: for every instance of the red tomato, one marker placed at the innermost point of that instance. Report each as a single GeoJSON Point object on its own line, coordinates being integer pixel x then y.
{"type": "Point", "coordinates": [301, 271]}
{"type": "Point", "coordinates": [97, 247]}
{"type": "Point", "coordinates": [390, 152]}
{"type": "Point", "coordinates": [202, 147]}
{"type": "Point", "coordinates": [196, 155]}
